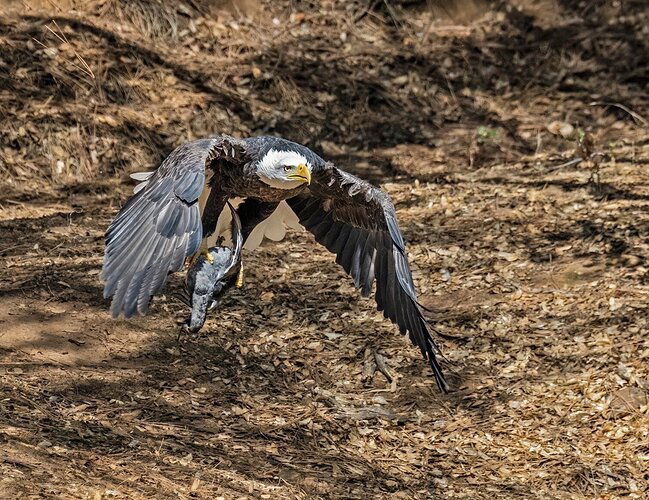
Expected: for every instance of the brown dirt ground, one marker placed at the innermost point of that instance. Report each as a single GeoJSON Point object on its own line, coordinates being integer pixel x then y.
{"type": "Point", "coordinates": [536, 276]}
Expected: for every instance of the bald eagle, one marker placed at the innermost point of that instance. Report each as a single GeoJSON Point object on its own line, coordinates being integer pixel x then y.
{"type": "Point", "coordinates": [179, 205]}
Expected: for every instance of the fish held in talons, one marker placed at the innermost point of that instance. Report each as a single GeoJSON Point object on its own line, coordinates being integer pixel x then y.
{"type": "Point", "coordinates": [212, 273]}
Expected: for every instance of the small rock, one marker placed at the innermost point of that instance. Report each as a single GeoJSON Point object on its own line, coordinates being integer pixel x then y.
{"type": "Point", "coordinates": [50, 51]}
{"type": "Point", "coordinates": [631, 260]}
{"type": "Point", "coordinates": [628, 399]}
{"type": "Point", "coordinates": [624, 372]}
{"type": "Point", "coordinates": [563, 129]}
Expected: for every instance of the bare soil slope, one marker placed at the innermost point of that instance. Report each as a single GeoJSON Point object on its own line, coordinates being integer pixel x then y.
{"type": "Point", "coordinates": [515, 144]}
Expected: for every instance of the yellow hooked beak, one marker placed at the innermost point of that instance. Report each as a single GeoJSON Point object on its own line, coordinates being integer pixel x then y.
{"type": "Point", "coordinates": [302, 174]}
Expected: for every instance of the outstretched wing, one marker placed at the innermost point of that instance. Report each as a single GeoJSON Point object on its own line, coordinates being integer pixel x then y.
{"type": "Point", "coordinates": [357, 222]}
{"type": "Point", "coordinates": [159, 226]}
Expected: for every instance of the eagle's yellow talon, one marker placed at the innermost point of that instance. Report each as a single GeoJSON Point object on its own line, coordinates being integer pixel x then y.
{"type": "Point", "coordinates": [205, 253]}
{"type": "Point", "coordinates": [240, 277]}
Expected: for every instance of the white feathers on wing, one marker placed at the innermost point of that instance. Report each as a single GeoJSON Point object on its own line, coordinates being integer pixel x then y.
{"type": "Point", "coordinates": [140, 176]}
{"type": "Point", "coordinates": [274, 228]}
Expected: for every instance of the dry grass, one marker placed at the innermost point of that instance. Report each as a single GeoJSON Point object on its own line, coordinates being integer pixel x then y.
{"type": "Point", "coordinates": [536, 276]}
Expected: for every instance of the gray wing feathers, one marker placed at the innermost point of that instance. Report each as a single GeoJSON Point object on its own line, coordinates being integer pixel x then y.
{"type": "Point", "coordinates": [156, 229]}
{"type": "Point", "coordinates": [190, 186]}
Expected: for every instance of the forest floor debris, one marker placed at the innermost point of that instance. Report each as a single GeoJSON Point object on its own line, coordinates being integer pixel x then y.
{"type": "Point", "coordinates": [536, 275]}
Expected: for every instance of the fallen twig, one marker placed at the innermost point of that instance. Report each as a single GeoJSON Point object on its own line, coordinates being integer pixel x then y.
{"type": "Point", "coordinates": [635, 115]}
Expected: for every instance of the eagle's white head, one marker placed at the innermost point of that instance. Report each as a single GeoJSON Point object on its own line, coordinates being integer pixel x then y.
{"type": "Point", "coordinates": [284, 169]}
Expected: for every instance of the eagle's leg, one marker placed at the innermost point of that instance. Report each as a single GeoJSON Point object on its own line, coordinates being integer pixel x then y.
{"type": "Point", "coordinates": [252, 212]}
{"type": "Point", "coordinates": [239, 282]}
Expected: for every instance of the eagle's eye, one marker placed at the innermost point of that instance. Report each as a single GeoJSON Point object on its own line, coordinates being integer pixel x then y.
{"type": "Point", "coordinates": [287, 168]}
